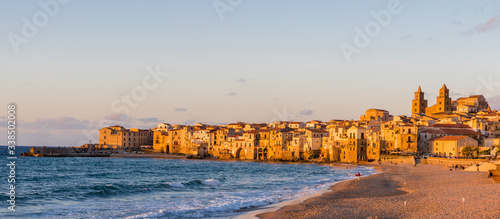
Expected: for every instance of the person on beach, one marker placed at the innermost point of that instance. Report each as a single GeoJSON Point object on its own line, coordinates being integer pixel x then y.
{"type": "Point", "coordinates": [358, 175]}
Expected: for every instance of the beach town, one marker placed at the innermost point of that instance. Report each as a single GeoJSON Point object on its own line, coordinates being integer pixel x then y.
{"type": "Point", "coordinates": [247, 109]}
{"type": "Point", "coordinates": [440, 162]}
{"type": "Point", "coordinates": [452, 129]}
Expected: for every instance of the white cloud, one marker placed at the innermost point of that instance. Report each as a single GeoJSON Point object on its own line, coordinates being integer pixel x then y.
{"type": "Point", "coordinates": [492, 24]}
{"type": "Point", "coordinates": [58, 123]}
{"type": "Point", "coordinates": [306, 112]}
{"type": "Point", "coordinates": [180, 109]}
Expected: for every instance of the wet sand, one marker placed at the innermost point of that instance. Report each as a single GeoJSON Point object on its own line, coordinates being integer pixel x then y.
{"type": "Point", "coordinates": [403, 191]}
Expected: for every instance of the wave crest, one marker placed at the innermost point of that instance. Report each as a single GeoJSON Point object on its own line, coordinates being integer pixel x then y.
{"type": "Point", "coordinates": [175, 184]}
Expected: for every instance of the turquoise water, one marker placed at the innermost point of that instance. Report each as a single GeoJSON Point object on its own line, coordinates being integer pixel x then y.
{"type": "Point", "coordinates": [158, 188]}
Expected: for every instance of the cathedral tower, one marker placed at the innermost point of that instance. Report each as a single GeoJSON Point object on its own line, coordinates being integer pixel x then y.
{"type": "Point", "coordinates": [444, 100]}
{"type": "Point", "coordinates": [419, 103]}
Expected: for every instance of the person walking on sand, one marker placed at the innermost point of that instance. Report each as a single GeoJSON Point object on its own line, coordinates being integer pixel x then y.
{"type": "Point", "coordinates": [358, 175]}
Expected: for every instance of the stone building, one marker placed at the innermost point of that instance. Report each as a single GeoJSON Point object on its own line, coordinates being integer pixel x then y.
{"type": "Point", "coordinates": [443, 103]}
{"type": "Point", "coordinates": [419, 104]}
{"type": "Point", "coordinates": [356, 150]}
{"type": "Point", "coordinates": [377, 115]}
{"type": "Point", "coordinates": [445, 106]}
{"type": "Point", "coordinates": [118, 137]}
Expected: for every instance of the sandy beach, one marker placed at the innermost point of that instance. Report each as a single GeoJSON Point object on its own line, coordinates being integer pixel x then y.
{"type": "Point", "coordinates": [404, 191]}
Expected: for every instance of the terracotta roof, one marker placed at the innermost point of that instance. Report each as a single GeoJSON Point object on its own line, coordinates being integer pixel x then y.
{"type": "Point", "coordinates": [316, 130]}
{"type": "Point", "coordinates": [378, 110]}
{"type": "Point", "coordinates": [450, 126]}
{"type": "Point", "coordinates": [450, 138]}
{"type": "Point", "coordinates": [450, 131]}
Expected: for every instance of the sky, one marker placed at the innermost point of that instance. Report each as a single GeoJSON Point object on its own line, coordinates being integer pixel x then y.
{"type": "Point", "coordinates": [72, 67]}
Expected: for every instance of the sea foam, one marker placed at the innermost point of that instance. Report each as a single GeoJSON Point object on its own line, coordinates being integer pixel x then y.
{"type": "Point", "coordinates": [175, 184]}
{"type": "Point", "coordinates": [211, 182]}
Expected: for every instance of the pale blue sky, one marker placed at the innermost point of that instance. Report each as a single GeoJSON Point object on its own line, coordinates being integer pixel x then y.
{"type": "Point", "coordinates": [264, 60]}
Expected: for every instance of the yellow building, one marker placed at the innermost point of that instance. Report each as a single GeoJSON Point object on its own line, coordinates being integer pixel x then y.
{"type": "Point", "coordinates": [356, 149]}
{"type": "Point", "coordinates": [160, 141]}
{"type": "Point", "coordinates": [376, 114]}
{"type": "Point", "coordinates": [451, 145]}
{"type": "Point", "coordinates": [117, 137]}
{"type": "Point", "coordinates": [314, 139]}
{"type": "Point", "coordinates": [406, 138]}
{"type": "Point", "coordinates": [472, 104]}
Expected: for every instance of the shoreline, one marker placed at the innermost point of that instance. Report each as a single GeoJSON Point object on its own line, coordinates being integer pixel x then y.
{"type": "Point", "coordinates": [398, 191]}
{"type": "Point", "coordinates": [255, 213]}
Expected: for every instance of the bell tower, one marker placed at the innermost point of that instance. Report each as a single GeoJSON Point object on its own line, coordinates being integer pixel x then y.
{"type": "Point", "coordinates": [444, 100]}
{"type": "Point", "coordinates": [419, 103]}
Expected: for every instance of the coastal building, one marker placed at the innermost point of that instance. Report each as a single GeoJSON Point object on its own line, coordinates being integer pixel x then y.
{"type": "Point", "coordinates": [376, 133]}
{"type": "Point", "coordinates": [406, 138]}
{"type": "Point", "coordinates": [426, 134]}
{"type": "Point", "coordinates": [118, 137]}
{"type": "Point", "coordinates": [451, 145]}
{"type": "Point", "coordinates": [376, 146]}
{"type": "Point", "coordinates": [314, 139]}
{"type": "Point", "coordinates": [296, 125]}
{"type": "Point", "coordinates": [296, 145]}
{"type": "Point", "coordinates": [356, 150]}
{"type": "Point", "coordinates": [377, 115]}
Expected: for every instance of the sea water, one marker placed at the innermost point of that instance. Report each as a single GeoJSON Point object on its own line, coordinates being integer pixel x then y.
{"type": "Point", "coordinates": [50, 187]}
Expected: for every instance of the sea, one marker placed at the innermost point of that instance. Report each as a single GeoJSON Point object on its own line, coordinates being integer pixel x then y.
{"type": "Point", "coordinates": [58, 187]}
